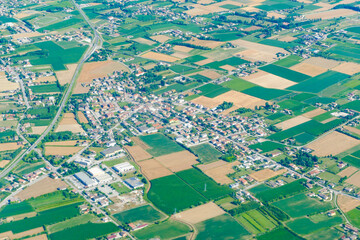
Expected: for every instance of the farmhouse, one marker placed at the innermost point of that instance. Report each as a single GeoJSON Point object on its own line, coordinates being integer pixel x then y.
{"type": "Point", "coordinates": [134, 182]}
{"type": "Point", "coordinates": [100, 175]}
{"type": "Point", "coordinates": [111, 151]}
{"type": "Point", "coordinates": [85, 179]}
{"type": "Point", "coordinates": [123, 167]}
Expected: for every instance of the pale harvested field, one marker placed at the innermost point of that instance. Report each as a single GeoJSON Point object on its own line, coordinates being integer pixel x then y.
{"type": "Point", "coordinates": [219, 170]}
{"type": "Point", "coordinates": [269, 80]}
{"type": "Point", "coordinates": [199, 9]}
{"type": "Point", "coordinates": [257, 51]}
{"type": "Point", "coordinates": [25, 13]}
{"type": "Point", "coordinates": [152, 169]}
{"type": "Point", "coordinates": [45, 79]}
{"type": "Point", "coordinates": [182, 48]}
{"type": "Point", "coordinates": [251, 9]}
{"type": "Point", "coordinates": [38, 237]}
{"type": "Point", "coordinates": [65, 76]}
{"type": "Point", "coordinates": [9, 146]}
{"type": "Point", "coordinates": [62, 143]}
{"type": "Point", "coordinates": [178, 161]}
{"type": "Point", "coordinates": [38, 129]}
{"type": "Point", "coordinates": [61, 151]}
{"type": "Point", "coordinates": [205, 43]}
{"type": "Point", "coordinates": [348, 68]}
{"type": "Point", "coordinates": [180, 55]}
{"type": "Point", "coordinates": [292, 122]}
{"type": "Point", "coordinates": [205, 61]}
{"type": "Point", "coordinates": [10, 235]}
{"type": "Point", "coordinates": [228, 68]}
{"type": "Point", "coordinates": [24, 215]}
{"type": "Point", "coordinates": [199, 213]}
{"type": "Point", "coordinates": [138, 153]}
{"type": "Point", "coordinates": [26, 35]}
{"type": "Point", "coordinates": [82, 117]}
{"type": "Point", "coordinates": [333, 143]}
{"type": "Point", "coordinates": [69, 123]}
{"type": "Point", "coordinates": [160, 38]}
{"type": "Point", "coordinates": [6, 85]}
{"type": "Point", "coordinates": [308, 69]}
{"type": "Point", "coordinates": [46, 185]}
{"type": "Point", "coordinates": [206, 102]}
{"type": "Point", "coordinates": [276, 16]}
{"type": "Point", "coordinates": [352, 129]}
{"type": "Point", "coordinates": [239, 99]}
{"type": "Point", "coordinates": [144, 41]}
{"type": "Point", "coordinates": [328, 120]}
{"type": "Point", "coordinates": [347, 172]}
{"type": "Point", "coordinates": [334, 13]}
{"type": "Point", "coordinates": [3, 163]}
{"type": "Point", "coordinates": [346, 203]}
{"type": "Point", "coordinates": [322, 62]}
{"type": "Point", "coordinates": [94, 70]}
{"type": "Point", "coordinates": [140, 143]}
{"type": "Point", "coordinates": [266, 174]}
{"type": "Point", "coordinates": [209, 74]}
{"type": "Point", "coordinates": [314, 113]}
{"type": "Point", "coordinates": [159, 57]}
{"type": "Point", "coordinates": [287, 39]}
{"type": "Point", "coordinates": [354, 179]}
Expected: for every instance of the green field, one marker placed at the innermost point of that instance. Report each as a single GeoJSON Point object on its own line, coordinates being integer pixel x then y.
{"type": "Point", "coordinates": [238, 84]}
{"type": "Point", "coordinates": [320, 82]}
{"type": "Point", "coordinates": [285, 73]}
{"type": "Point", "coordinates": [181, 68]}
{"type": "Point", "coordinates": [144, 213]}
{"type": "Point", "coordinates": [306, 226]}
{"type": "Point", "coordinates": [279, 233]}
{"type": "Point", "coordinates": [265, 93]}
{"type": "Point", "coordinates": [224, 226]}
{"type": "Point", "coordinates": [203, 184]}
{"type": "Point", "coordinates": [15, 209]}
{"type": "Point", "coordinates": [354, 105]}
{"type": "Point", "coordinates": [289, 61]}
{"type": "Point", "coordinates": [259, 188]}
{"type": "Point", "coordinates": [75, 221]}
{"type": "Point", "coordinates": [353, 29]}
{"type": "Point", "coordinates": [212, 90]}
{"type": "Point", "coordinates": [160, 145]}
{"type": "Point", "coordinates": [256, 222]}
{"type": "Point", "coordinates": [233, 61]}
{"type": "Point", "coordinates": [85, 231]}
{"type": "Point", "coordinates": [170, 194]}
{"type": "Point", "coordinates": [206, 153]}
{"type": "Point", "coordinates": [283, 191]}
{"type": "Point", "coordinates": [52, 200]}
{"type": "Point", "coordinates": [46, 88]}
{"type": "Point", "coordinates": [267, 146]}
{"type": "Point", "coordinates": [354, 217]}
{"type": "Point", "coordinates": [300, 205]}
{"type": "Point", "coordinates": [60, 25]}
{"type": "Point", "coordinates": [165, 230]}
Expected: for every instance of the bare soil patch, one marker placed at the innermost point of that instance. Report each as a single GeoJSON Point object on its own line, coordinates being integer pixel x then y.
{"type": "Point", "coordinates": [9, 146]}
{"type": "Point", "coordinates": [138, 153]}
{"type": "Point", "coordinates": [160, 57]}
{"type": "Point", "coordinates": [308, 69]}
{"type": "Point", "coordinates": [348, 68]}
{"type": "Point", "coordinates": [347, 203]}
{"type": "Point", "coordinates": [178, 161]}
{"type": "Point", "coordinates": [46, 185]}
{"type": "Point", "coordinates": [333, 143]}
{"type": "Point", "coordinates": [153, 169]}
{"type": "Point", "coordinates": [314, 113]}
{"type": "Point", "coordinates": [160, 38]}
{"type": "Point", "coordinates": [65, 76]}
{"type": "Point", "coordinates": [347, 172]}
{"type": "Point", "coordinates": [199, 213]}
{"type": "Point", "coordinates": [219, 170]}
{"type": "Point", "coordinates": [292, 122]}
{"type": "Point", "coordinates": [266, 174]}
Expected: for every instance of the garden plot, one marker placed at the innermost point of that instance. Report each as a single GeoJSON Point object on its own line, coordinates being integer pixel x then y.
{"type": "Point", "coordinates": [46, 185]}
{"type": "Point", "coordinates": [152, 169]}
{"type": "Point", "coordinates": [137, 153]}
{"type": "Point", "coordinates": [266, 174]}
{"type": "Point", "coordinates": [199, 213]}
{"type": "Point", "coordinates": [354, 179]}
{"type": "Point", "coordinates": [69, 123]}
{"type": "Point", "coordinates": [269, 80]}
{"type": "Point", "coordinates": [308, 69]}
{"type": "Point", "coordinates": [160, 57]}
{"type": "Point", "coordinates": [65, 76]}
{"type": "Point", "coordinates": [333, 143]}
{"type": "Point", "coordinates": [219, 170]}
{"type": "Point", "coordinates": [349, 68]}
{"type": "Point", "coordinates": [178, 161]}
{"type": "Point", "coordinates": [347, 203]}
{"type": "Point", "coordinates": [160, 38]}
{"type": "Point", "coordinates": [292, 122]}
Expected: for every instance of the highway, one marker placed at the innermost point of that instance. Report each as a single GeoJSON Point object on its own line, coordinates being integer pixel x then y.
{"type": "Point", "coordinates": [96, 42]}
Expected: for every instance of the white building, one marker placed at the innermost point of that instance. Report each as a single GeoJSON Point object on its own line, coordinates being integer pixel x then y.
{"type": "Point", "coordinates": [123, 167]}
{"type": "Point", "coordinates": [100, 175]}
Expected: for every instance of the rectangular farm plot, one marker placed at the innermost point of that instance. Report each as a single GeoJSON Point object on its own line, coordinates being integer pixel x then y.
{"type": "Point", "coordinates": [219, 170]}
{"type": "Point", "coordinates": [265, 93]}
{"type": "Point", "coordinates": [206, 152]}
{"type": "Point", "coordinates": [160, 145]}
{"type": "Point", "coordinates": [266, 174]}
{"type": "Point", "coordinates": [314, 113]}
{"type": "Point", "coordinates": [178, 161]}
{"type": "Point", "coordinates": [285, 73]}
{"type": "Point", "coordinates": [347, 203]}
{"type": "Point", "coordinates": [269, 80]}
{"type": "Point", "coordinates": [354, 179]}
{"type": "Point", "coordinates": [332, 144]}
{"type": "Point", "coordinates": [308, 69]}
{"type": "Point", "coordinates": [322, 62]}
{"type": "Point", "coordinates": [347, 172]}
{"type": "Point", "coordinates": [207, 73]}
{"type": "Point", "coordinates": [212, 90]}
{"type": "Point", "coordinates": [9, 146]}
{"type": "Point", "coordinates": [320, 82]}
{"type": "Point", "coordinates": [160, 57]}
{"type": "Point", "coordinates": [68, 123]}
{"type": "Point", "coordinates": [200, 213]}
{"type": "Point", "coordinates": [292, 122]}
{"type": "Point", "coordinates": [61, 151]}
{"type": "Point", "coordinates": [138, 153]}
{"type": "Point", "coordinates": [144, 214]}
{"type": "Point", "coordinates": [204, 43]}
{"type": "Point", "coordinates": [152, 169]}
{"type": "Point", "coordinates": [349, 68]}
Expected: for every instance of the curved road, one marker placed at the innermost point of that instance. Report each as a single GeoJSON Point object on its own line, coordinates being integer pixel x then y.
{"type": "Point", "coordinates": [94, 45]}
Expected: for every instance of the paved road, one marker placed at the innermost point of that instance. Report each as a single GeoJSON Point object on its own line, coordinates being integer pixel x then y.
{"type": "Point", "coordinates": [94, 45]}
